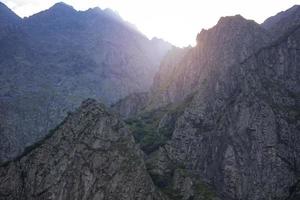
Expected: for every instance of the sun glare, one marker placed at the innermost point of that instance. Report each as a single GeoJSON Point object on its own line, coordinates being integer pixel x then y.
{"type": "Point", "coordinates": [177, 21]}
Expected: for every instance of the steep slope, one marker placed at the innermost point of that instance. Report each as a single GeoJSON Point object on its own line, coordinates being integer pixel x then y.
{"type": "Point", "coordinates": [55, 59]}
{"type": "Point", "coordinates": [239, 130]}
{"type": "Point", "coordinates": [232, 40]}
{"type": "Point", "coordinates": [283, 21]}
{"type": "Point", "coordinates": [236, 124]}
{"type": "Point", "coordinates": [131, 105]}
{"type": "Point", "coordinates": [242, 132]}
{"type": "Point", "coordinates": [90, 155]}
{"type": "Point", "coordinates": [7, 17]}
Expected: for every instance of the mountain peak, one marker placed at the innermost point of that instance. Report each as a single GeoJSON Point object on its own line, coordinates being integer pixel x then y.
{"type": "Point", "coordinates": [113, 14]}
{"type": "Point", "coordinates": [61, 6]}
{"type": "Point", "coordinates": [236, 19]}
{"type": "Point", "coordinates": [229, 26]}
{"type": "Point", "coordinates": [7, 16]}
{"type": "Point", "coordinates": [96, 9]}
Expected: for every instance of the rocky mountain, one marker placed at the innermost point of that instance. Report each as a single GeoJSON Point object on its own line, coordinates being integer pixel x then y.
{"type": "Point", "coordinates": [90, 155]}
{"type": "Point", "coordinates": [232, 40]}
{"type": "Point", "coordinates": [7, 17]}
{"type": "Point", "coordinates": [283, 21]}
{"type": "Point", "coordinates": [55, 59]}
{"type": "Point", "coordinates": [131, 105]}
{"type": "Point", "coordinates": [220, 122]}
{"type": "Point", "coordinates": [226, 115]}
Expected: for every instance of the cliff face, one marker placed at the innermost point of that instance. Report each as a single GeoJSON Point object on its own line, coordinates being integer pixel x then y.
{"type": "Point", "coordinates": [90, 155]}
{"type": "Point", "coordinates": [221, 121]}
{"type": "Point", "coordinates": [232, 40]}
{"type": "Point", "coordinates": [131, 105]}
{"type": "Point", "coordinates": [55, 59]}
{"type": "Point", "coordinates": [283, 21]}
{"type": "Point", "coordinates": [238, 128]}
{"type": "Point", "coordinates": [242, 132]}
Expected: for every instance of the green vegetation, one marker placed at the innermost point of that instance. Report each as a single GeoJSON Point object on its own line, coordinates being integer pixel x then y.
{"type": "Point", "coordinates": [145, 130]}
{"type": "Point", "coordinates": [204, 190]}
{"type": "Point", "coordinates": [150, 131]}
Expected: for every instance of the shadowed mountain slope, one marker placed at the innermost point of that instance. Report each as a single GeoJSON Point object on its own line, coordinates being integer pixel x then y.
{"type": "Point", "coordinates": [55, 59]}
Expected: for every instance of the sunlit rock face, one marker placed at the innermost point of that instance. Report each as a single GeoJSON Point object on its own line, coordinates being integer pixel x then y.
{"type": "Point", "coordinates": [231, 41]}
{"type": "Point", "coordinates": [53, 60]}
{"type": "Point", "coordinates": [239, 131]}
{"type": "Point", "coordinates": [90, 155]}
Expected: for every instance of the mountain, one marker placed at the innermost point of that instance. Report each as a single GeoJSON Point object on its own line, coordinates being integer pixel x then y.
{"type": "Point", "coordinates": [131, 105]}
{"type": "Point", "coordinates": [283, 21]}
{"type": "Point", "coordinates": [220, 121]}
{"type": "Point", "coordinates": [232, 40]}
{"type": "Point", "coordinates": [90, 155]}
{"type": "Point", "coordinates": [225, 115]}
{"type": "Point", "coordinates": [55, 59]}
{"type": "Point", "coordinates": [7, 17]}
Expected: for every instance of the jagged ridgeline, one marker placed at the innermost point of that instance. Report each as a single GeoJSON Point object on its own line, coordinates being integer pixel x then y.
{"type": "Point", "coordinates": [221, 120]}
{"type": "Point", "coordinates": [90, 155]}
{"type": "Point", "coordinates": [55, 59]}
{"type": "Point", "coordinates": [231, 106]}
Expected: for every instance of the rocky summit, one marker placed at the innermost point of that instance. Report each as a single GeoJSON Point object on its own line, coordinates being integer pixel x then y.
{"type": "Point", "coordinates": [221, 120]}
{"type": "Point", "coordinates": [225, 114]}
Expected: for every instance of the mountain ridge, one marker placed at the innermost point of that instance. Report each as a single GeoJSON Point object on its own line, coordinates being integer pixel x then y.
{"type": "Point", "coordinates": [52, 63]}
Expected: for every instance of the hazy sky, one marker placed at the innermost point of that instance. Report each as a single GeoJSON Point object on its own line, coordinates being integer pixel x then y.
{"type": "Point", "coordinates": [177, 21]}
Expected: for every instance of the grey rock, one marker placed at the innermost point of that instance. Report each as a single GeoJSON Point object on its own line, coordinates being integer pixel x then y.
{"type": "Point", "coordinates": [131, 105]}
{"type": "Point", "coordinates": [52, 61]}
{"type": "Point", "coordinates": [90, 155]}
{"type": "Point", "coordinates": [240, 130]}
{"type": "Point", "coordinates": [232, 40]}
{"type": "Point", "coordinates": [283, 21]}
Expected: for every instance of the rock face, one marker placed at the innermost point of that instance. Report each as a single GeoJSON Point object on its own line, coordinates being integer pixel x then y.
{"type": "Point", "coordinates": [242, 132]}
{"type": "Point", "coordinates": [221, 121]}
{"type": "Point", "coordinates": [131, 105]}
{"type": "Point", "coordinates": [232, 40]}
{"type": "Point", "coordinates": [283, 21]}
{"type": "Point", "coordinates": [7, 17]}
{"type": "Point", "coordinates": [239, 130]}
{"type": "Point", "coordinates": [90, 155]}
{"type": "Point", "coordinates": [55, 59]}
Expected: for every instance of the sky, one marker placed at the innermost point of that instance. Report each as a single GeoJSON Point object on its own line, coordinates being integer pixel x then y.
{"type": "Point", "coordinates": [176, 21]}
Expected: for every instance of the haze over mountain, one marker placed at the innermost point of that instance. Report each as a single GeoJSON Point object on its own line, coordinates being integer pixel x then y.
{"type": "Point", "coordinates": [226, 112]}
{"type": "Point", "coordinates": [55, 59]}
{"type": "Point", "coordinates": [221, 120]}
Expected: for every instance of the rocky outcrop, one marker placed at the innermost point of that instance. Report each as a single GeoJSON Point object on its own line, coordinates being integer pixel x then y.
{"type": "Point", "coordinates": [55, 59]}
{"type": "Point", "coordinates": [131, 105]}
{"type": "Point", "coordinates": [90, 155]}
{"type": "Point", "coordinates": [239, 132]}
{"type": "Point", "coordinates": [231, 41]}
{"type": "Point", "coordinates": [159, 93]}
{"type": "Point", "coordinates": [283, 21]}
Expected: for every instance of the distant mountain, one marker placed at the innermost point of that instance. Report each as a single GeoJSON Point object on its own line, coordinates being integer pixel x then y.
{"type": "Point", "coordinates": [54, 59]}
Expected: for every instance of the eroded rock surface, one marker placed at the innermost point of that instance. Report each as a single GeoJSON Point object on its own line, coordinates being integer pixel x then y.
{"type": "Point", "coordinates": [240, 131]}
{"type": "Point", "coordinates": [90, 155]}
